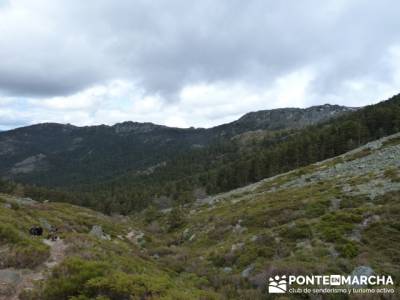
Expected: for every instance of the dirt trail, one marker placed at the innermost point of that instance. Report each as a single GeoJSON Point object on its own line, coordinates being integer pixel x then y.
{"type": "Point", "coordinates": [28, 277]}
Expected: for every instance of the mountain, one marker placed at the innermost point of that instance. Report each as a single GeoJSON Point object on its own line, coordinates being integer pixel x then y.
{"type": "Point", "coordinates": [129, 166]}
{"type": "Point", "coordinates": [36, 153]}
{"type": "Point", "coordinates": [283, 119]}
{"type": "Point", "coordinates": [337, 216]}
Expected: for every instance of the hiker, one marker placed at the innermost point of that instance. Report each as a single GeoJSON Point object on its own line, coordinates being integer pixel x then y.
{"type": "Point", "coordinates": [53, 233]}
{"type": "Point", "coordinates": [36, 231]}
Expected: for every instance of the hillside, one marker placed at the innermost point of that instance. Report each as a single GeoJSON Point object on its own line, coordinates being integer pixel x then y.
{"type": "Point", "coordinates": [96, 256]}
{"type": "Point", "coordinates": [337, 216]}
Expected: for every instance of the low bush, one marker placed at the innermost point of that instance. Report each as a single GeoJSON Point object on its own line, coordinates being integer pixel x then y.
{"type": "Point", "coordinates": [23, 250]}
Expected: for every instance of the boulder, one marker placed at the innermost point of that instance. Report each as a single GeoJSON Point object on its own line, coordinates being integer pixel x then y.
{"type": "Point", "coordinates": [246, 272]}
{"type": "Point", "coordinates": [362, 271]}
{"type": "Point", "coordinates": [44, 223]}
{"type": "Point", "coordinates": [98, 232]}
{"type": "Point", "coordinates": [7, 205]}
{"type": "Point", "coordinates": [136, 236]}
{"type": "Point", "coordinates": [9, 280]}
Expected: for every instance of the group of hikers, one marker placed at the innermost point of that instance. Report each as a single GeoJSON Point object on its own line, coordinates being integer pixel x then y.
{"type": "Point", "coordinates": [38, 231]}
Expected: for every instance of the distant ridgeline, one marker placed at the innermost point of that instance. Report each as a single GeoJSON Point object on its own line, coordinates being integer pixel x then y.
{"type": "Point", "coordinates": [128, 166]}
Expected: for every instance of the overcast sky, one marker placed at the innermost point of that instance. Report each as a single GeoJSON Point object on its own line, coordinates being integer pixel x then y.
{"type": "Point", "coordinates": [191, 63]}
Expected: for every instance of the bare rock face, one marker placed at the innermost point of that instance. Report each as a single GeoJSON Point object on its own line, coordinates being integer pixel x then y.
{"type": "Point", "coordinates": [29, 164]}
{"type": "Point", "coordinates": [128, 127]}
{"type": "Point", "coordinates": [292, 117]}
{"type": "Point", "coordinates": [97, 231]}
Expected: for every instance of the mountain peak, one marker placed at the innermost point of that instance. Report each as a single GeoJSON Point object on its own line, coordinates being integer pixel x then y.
{"type": "Point", "coordinates": [290, 118]}
{"type": "Point", "coordinates": [135, 127]}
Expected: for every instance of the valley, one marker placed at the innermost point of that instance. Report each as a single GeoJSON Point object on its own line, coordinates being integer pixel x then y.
{"type": "Point", "coordinates": [338, 216]}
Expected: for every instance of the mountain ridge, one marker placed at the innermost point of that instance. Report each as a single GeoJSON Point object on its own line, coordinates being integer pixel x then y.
{"type": "Point", "coordinates": [139, 144]}
{"type": "Point", "coordinates": [332, 107]}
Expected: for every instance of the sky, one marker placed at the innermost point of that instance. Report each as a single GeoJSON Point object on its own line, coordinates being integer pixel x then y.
{"type": "Point", "coordinates": [191, 63]}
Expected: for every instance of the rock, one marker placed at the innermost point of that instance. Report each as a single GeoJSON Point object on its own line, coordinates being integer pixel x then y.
{"type": "Point", "coordinates": [9, 279]}
{"type": "Point", "coordinates": [7, 205]}
{"type": "Point", "coordinates": [355, 235]}
{"type": "Point", "coordinates": [186, 233]}
{"type": "Point", "coordinates": [98, 232]}
{"type": "Point", "coordinates": [362, 271]}
{"type": "Point", "coordinates": [136, 236]}
{"type": "Point", "coordinates": [239, 229]}
{"type": "Point", "coordinates": [246, 272]}
{"type": "Point", "coordinates": [346, 188]}
{"type": "Point", "coordinates": [335, 204]}
{"type": "Point", "coordinates": [333, 252]}
{"type": "Point", "coordinates": [238, 246]}
{"type": "Point", "coordinates": [259, 280]}
{"type": "Point", "coordinates": [254, 238]}
{"type": "Point", "coordinates": [44, 223]}
{"type": "Point", "coordinates": [306, 244]}
{"type": "Point", "coordinates": [227, 270]}
{"type": "Point", "coordinates": [30, 164]}
{"type": "Point", "coordinates": [25, 201]}
{"type": "Point", "coordinates": [370, 220]}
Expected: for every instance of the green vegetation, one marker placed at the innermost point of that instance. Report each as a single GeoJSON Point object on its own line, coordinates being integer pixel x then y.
{"type": "Point", "coordinates": [297, 223]}
{"type": "Point", "coordinates": [22, 250]}
{"type": "Point", "coordinates": [224, 162]}
{"type": "Point", "coordinates": [220, 250]}
{"type": "Point", "coordinates": [392, 174]}
{"type": "Point", "coordinates": [93, 268]}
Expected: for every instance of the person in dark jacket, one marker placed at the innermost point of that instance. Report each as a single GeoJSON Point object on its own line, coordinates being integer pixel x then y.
{"type": "Point", "coordinates": [36, 231]}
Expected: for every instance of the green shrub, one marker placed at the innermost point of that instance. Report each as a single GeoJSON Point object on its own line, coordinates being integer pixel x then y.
{"type": "Point", "coordinates": [151, 214]}
{"type": "Point", "coordinates": [316, 209]}
{"type": "Point", "coordinates": [333, 227]}
{"type": "Point", "coordinates": [28, 255]}
{"type": "Point", "coordinates": [296, 232]}
{"type": "Point", "coordinates": [392, 174]}
{"type": "Point", "coordinates": [120, 285]}
{"type": "Point", "coordinates": [348, 249]}
{"type": "Point", "coordinates": [24, 251]}
{"type": "Point", "coordinates": [15, 206]}
{"type": "Point", "coordinates": [8, 234]}
{"type": "Point", "coordinates": [352, 201]}
{"type": "Point", "coordinates": [69, 279]}
{"type": "Point", "coordinates": [176, 218]}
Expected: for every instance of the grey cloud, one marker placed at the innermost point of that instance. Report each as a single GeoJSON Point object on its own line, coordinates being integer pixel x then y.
{"type": "Point", "coordinates": [165, 45]}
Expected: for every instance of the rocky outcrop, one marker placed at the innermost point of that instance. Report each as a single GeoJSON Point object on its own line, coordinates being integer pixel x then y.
{"type": "Point", "coordinates": [97, 231]}
{"type": "Point", "coordinates": [30, 164]}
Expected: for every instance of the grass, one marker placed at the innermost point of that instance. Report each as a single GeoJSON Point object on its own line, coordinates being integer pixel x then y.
{"type": "Point", "coordinates": [392, 174]}
{"type": "Point", "coordinates": [290, 231]}
{"type": "Point", "coordinates": [392, 142]}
